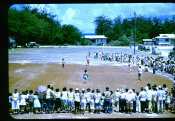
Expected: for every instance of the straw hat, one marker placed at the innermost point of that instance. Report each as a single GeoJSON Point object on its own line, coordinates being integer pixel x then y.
{"type": "Point", "coordinates": [76, 89]}
{"type": "Point", "coordinates": [159, 87]}
{"type": "Point", "coordinates": [130, 91]}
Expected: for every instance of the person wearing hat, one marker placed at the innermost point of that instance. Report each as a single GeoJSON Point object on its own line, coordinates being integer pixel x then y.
{"type": "Point", "coordinates": [129, 101]}
{"type": "Point", "coordinates": [149, 98]}
{"type": "Point", "coordinates": [107, 100]}
{"type": "Point", "coordinates": [97, 97]}
{"type": "Point", "coordinates": [160, 95]}
{"type": "Point", "coordinates": [83, 101]}
{"type": "Point", "coordinates": [77, 101]}
{"type": "Point", "coordinates": [117, 94]}
{"type": "Point", "coordinates": [143, 97]}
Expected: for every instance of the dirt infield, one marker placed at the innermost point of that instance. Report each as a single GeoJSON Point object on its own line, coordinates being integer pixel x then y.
{"type": "Point", "coordinates": [29, 76]}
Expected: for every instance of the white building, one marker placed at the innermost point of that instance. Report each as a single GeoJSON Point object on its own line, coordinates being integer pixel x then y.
{"type": "Point", "coordinates": [165, 39]}
{"type": "Point", "coordinates": [96, 39]}
{"type": "Point", "coordinates": [148, 41]}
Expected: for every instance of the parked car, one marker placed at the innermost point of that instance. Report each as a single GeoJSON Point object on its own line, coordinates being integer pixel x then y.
{"type": "Point", "coordinates": [156, 51]}
{"type": "Point", "coordinates": [140, 47]}
{"type": "Point", "coordinates": [32, 44]}
{"type": "Point", "coordinates": [146, 48]}
{"type": "Point", "coordinates": [159, 58]}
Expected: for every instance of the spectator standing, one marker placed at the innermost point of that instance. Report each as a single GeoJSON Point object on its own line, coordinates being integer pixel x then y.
{"type": "Point", "coordinates": [97, 101]}
{"type": "Point", "coordinates": [117, 95]}
{"type": "Point", "coordinates": [31, 101]}
{"type": "Point", "coordinates": [143, 96]}
{"type": "Point", "coordinates": [70, 100]}
{"type": "Point", "coordinates": [15, 101]}
{"type": "Point", "coordinates": [107, 100]}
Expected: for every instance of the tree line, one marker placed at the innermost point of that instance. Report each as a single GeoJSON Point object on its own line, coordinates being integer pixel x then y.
{"type": "Point", "coordinates": [37, 25]}
{"type": "Point", "coordinates": [121, 31]}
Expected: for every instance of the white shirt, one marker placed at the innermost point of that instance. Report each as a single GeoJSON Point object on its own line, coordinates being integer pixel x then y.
{"type": "Point", "coordinates": [149, 95]}
{"type": "Point", "coordinates": [88, 96]}
{"type": "Point", "coordinates": [15, 96]}
{"type": "Point", "coordinates": [70, 94]}
{"type": "Point", "coordinates": [134, 96]}
{"type": "Point", "coordinates": [160, 95]}
{"type": "Point", "coordinates": [122, 95]}
{"type": "Point", "coordinates": [48, 93]}
{"type": "Point", "coordinates": [77, 97]}
{"type": "Point", "coordinates": [155, 95]}
{"type": "Point", "coordinates": [140, 71]}
{"type": "Point", "coordinates": [83, 96]}
{"type": "Point", "coordinates": [117, 95]}
{"type": "Point", "coordinates": [129, 98]}
{"type": "Point", "coordinates": [142, 96]}
{"type": "Point", "coordinates": [57, 94]}
{"type": "Point", "coordinates": [97, 97]}
{"type": "Point", "coordinates": [64, 95]}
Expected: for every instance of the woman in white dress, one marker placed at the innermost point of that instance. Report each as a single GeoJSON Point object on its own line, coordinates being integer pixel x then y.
{"type": "Point", "coordinates": [15, 101]}
{"type": "Point", "coordinates": [23, 102]}
{"type": "Point", "coordinates": [37, 104]}
{"type": "Point", "coordinates": [64, 98]}
{"type": "Point", "coordinates": [70, 99]}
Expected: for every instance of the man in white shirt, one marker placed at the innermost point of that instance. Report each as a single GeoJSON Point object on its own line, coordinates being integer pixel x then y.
{"type": "Point", "coordinates": [48, 98]}
{"type": "Point", "coordinates": [143, 96]}
{"type": "Point", "coordinates": [149, 98]}
{"type": "Point", "coordinates": [88, 98]}
{"type": "Point", "coordinates": [160, 100]}
{"type": "Point", "coordinates": [117, 94]}
{"type": "Point", "coordinates": [129, 101]}
{"type": "Point", "coordinates": [122, 100]}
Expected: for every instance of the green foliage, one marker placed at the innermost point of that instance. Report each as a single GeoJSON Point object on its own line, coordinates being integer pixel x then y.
{"type": "Point", "coordinates": [86, 42]}
{"type": "Point", "coordinates": [146, 28]}
{"type": "Point", "coordinates": [31, 25]}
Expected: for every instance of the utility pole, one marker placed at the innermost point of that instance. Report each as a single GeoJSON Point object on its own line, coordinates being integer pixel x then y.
{"type": "Point", "coordinates": [135, 32]}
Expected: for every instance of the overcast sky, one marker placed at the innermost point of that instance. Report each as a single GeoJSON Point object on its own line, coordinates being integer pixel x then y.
{"type": "Point", "coordinates": [83, 15]}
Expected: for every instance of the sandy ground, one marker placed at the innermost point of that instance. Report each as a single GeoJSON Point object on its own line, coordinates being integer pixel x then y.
{"type": "Point", "coordinates": [29, 76]}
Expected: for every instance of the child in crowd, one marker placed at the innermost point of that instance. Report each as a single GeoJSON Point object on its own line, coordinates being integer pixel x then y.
{"type": "Point", "coordinates": [15, 101]}
{"type": "Point", "coordinates": [70, 100]}
{"type": "Point", "coordinates": [37, 104]}
{"type": "Point", "coordinates": [23, 102]}
{"type": "Point", "coordinates": [31, 101]}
